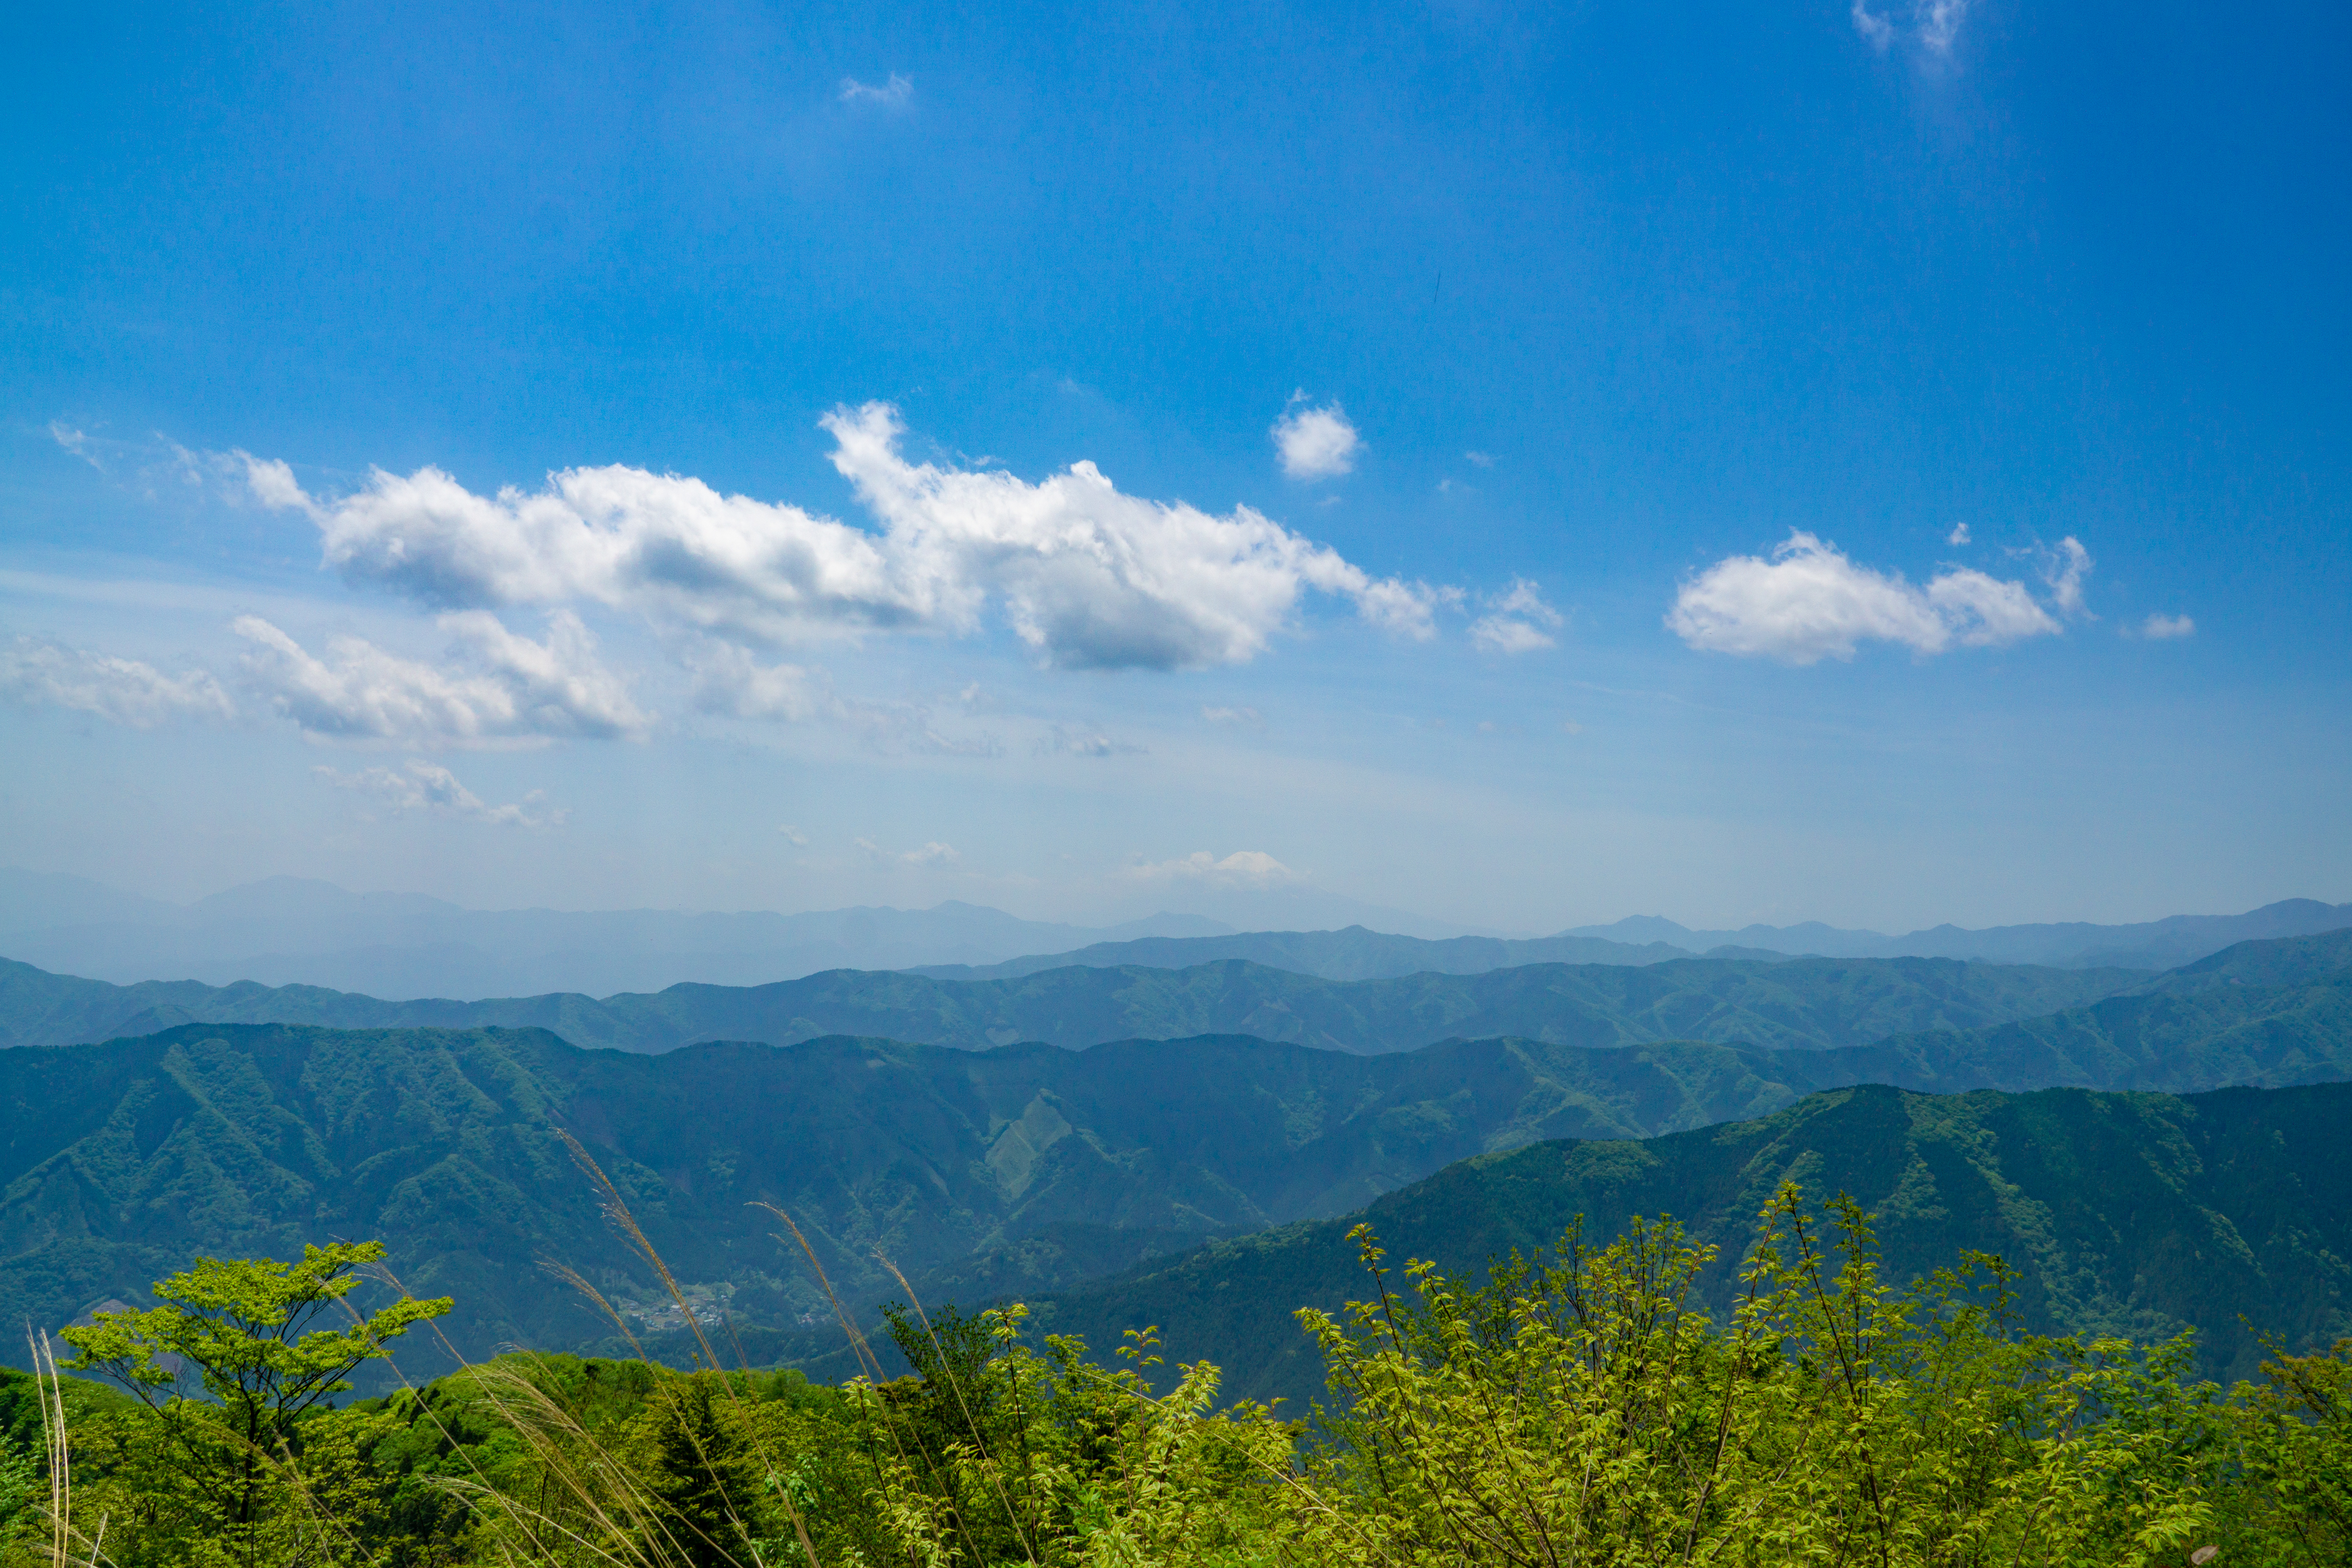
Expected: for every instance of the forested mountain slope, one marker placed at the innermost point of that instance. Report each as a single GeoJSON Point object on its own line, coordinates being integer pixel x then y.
{"type": "Point", "coordinates": [118, 1162]}
{"type": "Point", "coordinates": [1015, 1169]}
{"type": "Point", "coordinates": [1804, 1003]}
{"type": "Point", "coordinates": [2267, 1012]}
{"type": "Point", "coordinates": [2143, 1215]}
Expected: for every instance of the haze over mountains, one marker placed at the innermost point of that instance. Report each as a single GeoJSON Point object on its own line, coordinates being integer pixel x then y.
{"type": "Point", "coordinates": [403, 946]}
{"type": "Point", "coordinates": [288, 931]}
{"type": "Point", "coordinates": [1360, 954]}
{"type": "Point", "coordinates": [1015, 1170]}
{"type": "Point", "coordinates": [1807, 1003]}
{"type": "Point", "coordinates": [1122, 1130]}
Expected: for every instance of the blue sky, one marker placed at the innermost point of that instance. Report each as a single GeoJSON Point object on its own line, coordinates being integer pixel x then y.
{"type": "Point", "coordinates": [1861, 462]}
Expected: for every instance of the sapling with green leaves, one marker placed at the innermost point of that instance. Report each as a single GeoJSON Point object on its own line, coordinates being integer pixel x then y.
{"type": "Point", "coordinates": [268, 1343]}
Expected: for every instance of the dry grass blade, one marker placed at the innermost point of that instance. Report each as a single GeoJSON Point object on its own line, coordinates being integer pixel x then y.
{"type": "Point", "coordinates": [980, 1439]}
{"type": "Point", "coordinates": [867, 1362]}
{"type": "Point", "coordinates": [616, 1209]}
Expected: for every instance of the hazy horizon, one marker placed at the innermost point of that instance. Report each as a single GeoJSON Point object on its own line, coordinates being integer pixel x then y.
{"type": "Point", "coordinates": [1139, 915]}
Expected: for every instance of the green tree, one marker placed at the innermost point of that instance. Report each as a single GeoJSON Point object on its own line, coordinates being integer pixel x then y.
{"type": "Point", "coordinates": [248, 1330]}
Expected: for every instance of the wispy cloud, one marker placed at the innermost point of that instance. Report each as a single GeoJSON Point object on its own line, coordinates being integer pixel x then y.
{"type": "Point", "coordinates": [895, 94]}
{"type": "Point", "coordinates": [929, 854]}
{"type": "Point", "coordinates": [1230, 715]}
{"type": "Point", "coordinates": [1064, 741]}
{"type": "Point", "coordinates": [1933, 24]}
{"type": "Point", "coordinates": [729, 679]}
{"type": "Point", "coordinates": [1959, 536]}
{"type": "Point", "coordinates": [74, 441]}
{"type": "Point", "coordinates": [1483, 459]}
{"type": "Point", "coordinates": [1315, 443]}
{"type": "Point", "coordinates": [1808, 602]}
{"type": "Point", "coordinates": [504, 687]}
{"type": "Point", "coordinates": [1242, 868]}
{"type": "Point", "coordinates": [1518, 621]}
{"type": "Point", "coordinates": [427, 786]}
{"type": "Point", "coordinates": [1086, 576]}
{"type": "Point", "coordinates": [1939, 24]}
{"type": "Point", "coordinates": [35, 670]}
{"type": "Point", "coordinates": [2162, 629]}
{"type": "Point", "coordinates": [2064, 568]}
{"type": "Point", "coordinates": [1876, 29]}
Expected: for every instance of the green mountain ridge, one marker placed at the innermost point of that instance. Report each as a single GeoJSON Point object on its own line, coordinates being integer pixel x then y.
{"type": "Point", "coordinates": [2134, 1214]}
{"type": "Point", "coordinates": [1775, 1003]}
{"type": "Point", "coordinates": [1014, 1169]}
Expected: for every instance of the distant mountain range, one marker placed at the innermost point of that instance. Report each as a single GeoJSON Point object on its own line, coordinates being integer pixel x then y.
{"type": "Point", "coordinates": [1014, 1171]}
{"type": "Point", "coordinates": [1801, 1003]}
{"type": "Point", "coordinates": [401, 946]}
{"type": "Point", "coordinates": [2151, 944]}
{"type": "Point", "coordinates": [1354, 953]}
{"type": "Point", "coordinates": [288, 931]}
{"type": "Point", "coordinates": [1357, 953]}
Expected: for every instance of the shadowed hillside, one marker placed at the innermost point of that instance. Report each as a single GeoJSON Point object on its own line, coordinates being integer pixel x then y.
{"type": "Point", "coordinates": [2127, 1214]}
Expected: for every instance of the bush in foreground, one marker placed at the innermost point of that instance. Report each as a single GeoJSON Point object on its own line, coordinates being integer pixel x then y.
{"type": "Point", "coordinates": [1570, 1409]}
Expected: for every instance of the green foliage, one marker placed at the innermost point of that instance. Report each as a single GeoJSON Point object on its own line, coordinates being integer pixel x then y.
{"type": "Point", "coordinates": [1575, 1406]}
{"type": "Point", "coordinates": [1584, 1410]}
{"type": "Point", "coordinates": [244, 1328]}
{"type": "Point", "coordinates": [20, 1476]}
{"type": "Point", "coordinates": [2293, 1440]}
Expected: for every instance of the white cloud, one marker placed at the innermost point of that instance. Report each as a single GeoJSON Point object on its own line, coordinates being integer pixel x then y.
{"type": "Point", "coordinates": [1315, 443]}
{"type": "Point", "coordinates": [1809, 601]}
{"type": "Point", "coordinates": [271, 482]}
{"type": "Point", "coordinates": [1483, 459]}
{"type": "Point", "coordinates": [1959, 534]}
{"type": "Point", "coordinates": [2163, 627]}
{"type": "Point", "coordinates": [122, 690]}
{"type": "Point", "coordinates": [511, 689]}
{"type": "Point", "coordinates": [1243, 868]}
{"type": "Point", "coordinates": [792, 836]}
{"type": "Point", "coordinates": [931, 853]}
{"type": "Point", "coordinates": [1230, 715]}
{"type": "Point", "coordinates": [429, 786]}
{"type": "Point", "coordinates": [1513, 621]}
{"type": "Point", "coordinates": [1086, 576]}
{"type": "Point", "coordinates": [892, 94]}
{"type": "Point", "coordinates": [2063, 570]}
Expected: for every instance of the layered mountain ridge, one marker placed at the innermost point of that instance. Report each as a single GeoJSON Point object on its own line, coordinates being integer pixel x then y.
{"type": "Point", "coordinates": [1016, 1169]}
{"type": "Point", "coordinates": [1804, 1003]}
